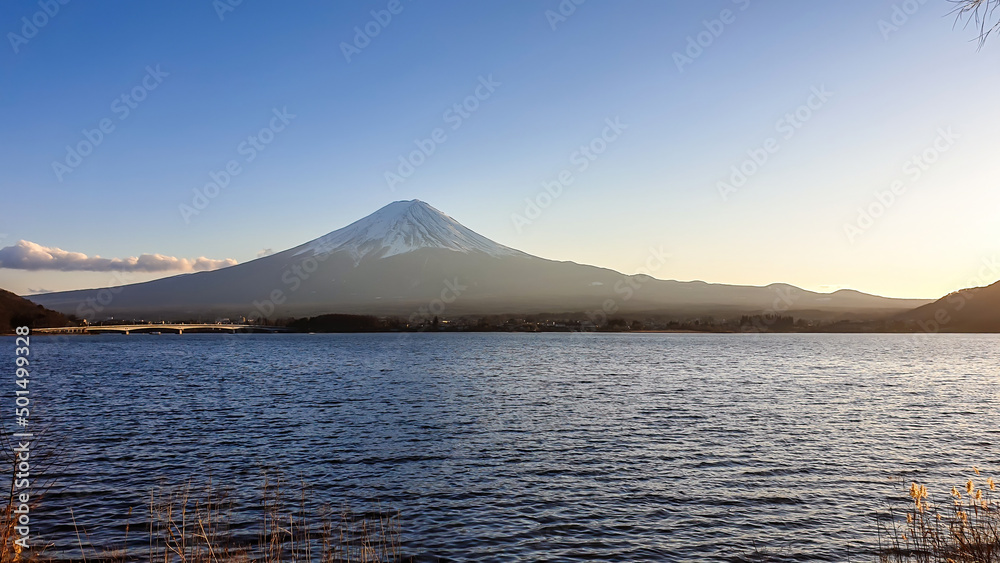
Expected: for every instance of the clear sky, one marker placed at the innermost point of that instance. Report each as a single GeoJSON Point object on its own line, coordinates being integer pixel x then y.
{"type": "Point", "coordinates": [315, 102]}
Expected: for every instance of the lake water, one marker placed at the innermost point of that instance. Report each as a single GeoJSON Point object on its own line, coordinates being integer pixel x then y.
{"type": "Point", "coordinates": [527, 447]}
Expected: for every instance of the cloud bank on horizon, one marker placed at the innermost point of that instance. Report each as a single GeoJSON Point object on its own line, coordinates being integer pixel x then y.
{"type": "Point", "coordinates": [27, 255]}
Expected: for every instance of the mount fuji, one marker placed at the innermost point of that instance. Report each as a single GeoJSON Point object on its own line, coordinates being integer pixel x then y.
{"type": "Point", "coordinates": [408, 256]}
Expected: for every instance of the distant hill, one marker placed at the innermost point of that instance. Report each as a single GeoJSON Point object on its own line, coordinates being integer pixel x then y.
{"type": "Point", "coordinates": [17, 311]}
{"type": "Point", "coordinates": [968, 310]}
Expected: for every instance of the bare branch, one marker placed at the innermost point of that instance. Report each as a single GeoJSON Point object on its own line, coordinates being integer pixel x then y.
{"type": "Point", "coordinates": [980, 13]}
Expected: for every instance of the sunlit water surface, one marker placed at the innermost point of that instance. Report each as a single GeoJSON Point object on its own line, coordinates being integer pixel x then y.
{"type": "Point", "coordinates": [526, 447]}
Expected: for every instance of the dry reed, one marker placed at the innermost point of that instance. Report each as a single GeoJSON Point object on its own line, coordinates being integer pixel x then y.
{"type": "Point", "coordinates": [963, 529]}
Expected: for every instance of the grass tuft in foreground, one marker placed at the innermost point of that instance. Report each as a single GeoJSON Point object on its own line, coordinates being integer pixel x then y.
{"type": "Point", "coordinates": [963, 529]}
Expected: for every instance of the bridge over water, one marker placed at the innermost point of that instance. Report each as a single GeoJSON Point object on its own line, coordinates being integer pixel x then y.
{"type": "Point", "coordinates": [174, 328]}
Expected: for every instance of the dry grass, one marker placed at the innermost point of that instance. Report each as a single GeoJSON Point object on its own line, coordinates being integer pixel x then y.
{"type": "Point", "coordinates": [10, 551]}
{"type": "Point", "coordinates": [8, 522]}
{"type": "Point", "coordinates": [196, 525]}
{"type": "Point", "coordinates": [963, 529]}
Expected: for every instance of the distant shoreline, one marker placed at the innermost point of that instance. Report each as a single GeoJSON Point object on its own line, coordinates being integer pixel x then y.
{"type": "Point", "coordinates": [341, 323]}
{"type": "Point", "coordinates": [472, 331]}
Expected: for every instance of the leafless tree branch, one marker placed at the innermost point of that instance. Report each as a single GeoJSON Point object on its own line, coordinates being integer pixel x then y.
{"type": "Point", "coordinates": [978, 13]}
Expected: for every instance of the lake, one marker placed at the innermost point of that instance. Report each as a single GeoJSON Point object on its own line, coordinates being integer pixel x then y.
{"type": "Point", "coordinates": [525, 447]}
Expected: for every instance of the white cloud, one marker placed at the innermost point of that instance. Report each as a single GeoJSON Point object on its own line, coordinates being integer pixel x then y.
{"type": "Point", "coordinates": [26, 255]}
{"type": "Point", "coordinates": [265, 252]}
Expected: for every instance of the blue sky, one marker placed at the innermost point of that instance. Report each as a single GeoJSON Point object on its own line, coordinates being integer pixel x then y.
{"type": "Point", "coordinates": [893, 98]}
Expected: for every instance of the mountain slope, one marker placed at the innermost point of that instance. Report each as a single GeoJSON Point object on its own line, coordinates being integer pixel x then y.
{"type": "Point", "coordinates": [968, 310]}
{"type": "Point", "coordinates": [17, 311]}
{"type": "Point", "coordinates": [409, 257]}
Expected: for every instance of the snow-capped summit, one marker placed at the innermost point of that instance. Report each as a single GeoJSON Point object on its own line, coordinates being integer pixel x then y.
{"type": "Point", "coordinates": [404, 226]}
